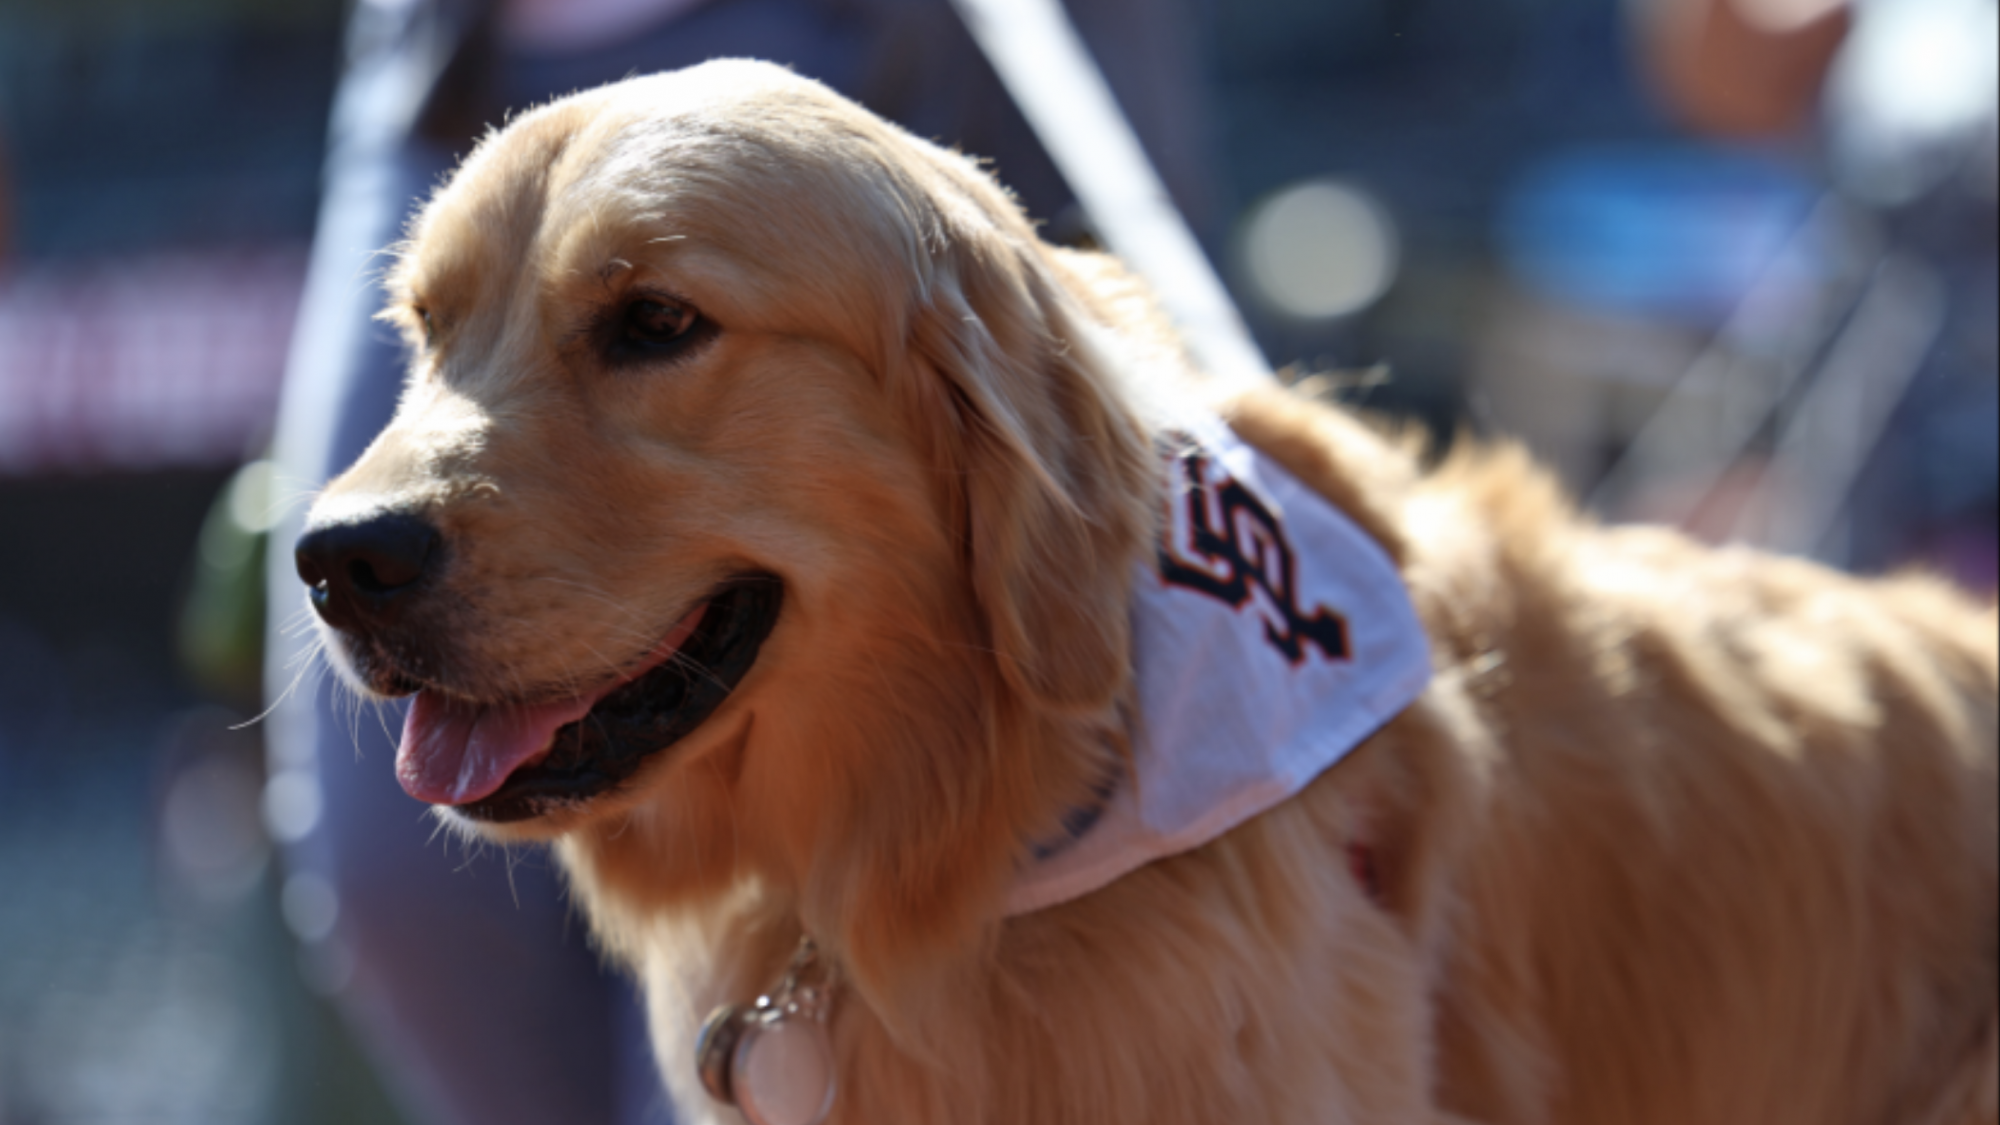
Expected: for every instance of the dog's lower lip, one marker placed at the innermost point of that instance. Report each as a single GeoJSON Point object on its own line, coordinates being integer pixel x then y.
{"type": "Point", "coordinates": [645, 716]}
{"type": "Point", "coordinates": [455, 750]}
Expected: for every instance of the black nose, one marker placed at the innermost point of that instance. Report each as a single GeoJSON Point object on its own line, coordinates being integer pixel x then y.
{"type": "Point", "coordinates": [362, 571]}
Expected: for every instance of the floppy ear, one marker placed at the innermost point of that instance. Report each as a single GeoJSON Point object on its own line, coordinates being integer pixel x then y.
{"type": "Point", "coordinates": [1053, 468]}
{"type": "Point", "coordinates": [1048, 474]}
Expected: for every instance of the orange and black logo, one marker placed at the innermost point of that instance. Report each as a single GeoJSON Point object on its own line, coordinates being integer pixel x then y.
{"type": "Point", "coordinates": [1233, 549]}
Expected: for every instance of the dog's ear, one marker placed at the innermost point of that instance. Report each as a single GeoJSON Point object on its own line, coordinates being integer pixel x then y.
{"type": "Point", "coordinates": [1050, 469]}
{"type": "Point", "coordinates": [1047, 473]}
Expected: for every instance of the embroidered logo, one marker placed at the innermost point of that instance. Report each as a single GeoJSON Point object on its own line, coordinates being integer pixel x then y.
{"type": "Point", "coordinates": [1234, 550]}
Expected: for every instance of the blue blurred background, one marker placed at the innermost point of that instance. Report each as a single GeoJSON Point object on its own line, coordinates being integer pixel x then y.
{"type": "Point", "coordinates": [1728, 264]}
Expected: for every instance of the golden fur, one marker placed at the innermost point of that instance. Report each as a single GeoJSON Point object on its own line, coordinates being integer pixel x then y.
{"type": "Point", "coordinates": [1677, 836]}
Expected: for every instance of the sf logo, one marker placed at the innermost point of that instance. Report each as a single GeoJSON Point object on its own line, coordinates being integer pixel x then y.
{"type": "Point", "coordinates": [1225, 543]}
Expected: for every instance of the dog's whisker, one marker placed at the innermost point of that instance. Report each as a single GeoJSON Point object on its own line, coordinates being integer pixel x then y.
{"type": "Point", "coordinates": [511, 858]}
{"type": "Point", "coordinates": [440, 824]}
{"type": "Point", "coordinates": [611, 666]}
{"type": "Point", "coordinates": [595, 594]}
{"type": "Point", "coordinates": [695, 667]}
{"type": "Point", "coordinates": [470, 851]}
{"type": "Point", "coordinates": [290, 688]}
{"type": "Point", "coordinates": [297, 628]}
{"type": "Point", "coordinates": [382, 708]}
{"type": "Point", "coordinates": [285, 504]}
{"type": "Point", "coordinates": [298, 483]}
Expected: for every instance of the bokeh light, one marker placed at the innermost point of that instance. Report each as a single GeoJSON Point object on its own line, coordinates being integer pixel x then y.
{"type": "Point", "coordinates": [1320, 249]}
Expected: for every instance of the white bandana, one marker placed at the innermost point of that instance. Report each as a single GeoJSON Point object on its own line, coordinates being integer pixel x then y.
{"type": "Point", "coordinates": [1270, 637]}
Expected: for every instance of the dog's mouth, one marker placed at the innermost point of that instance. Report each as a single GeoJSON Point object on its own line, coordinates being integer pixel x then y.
{"type": "Point", "coordinates": [512, 761]}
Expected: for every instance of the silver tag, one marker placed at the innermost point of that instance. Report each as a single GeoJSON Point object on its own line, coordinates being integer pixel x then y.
{"type": "Point", "coordinates": [774, 1059]}
{"type": "Point", "coordinates": [716, 1046]}
{"type": "Point", "coordinates": [782, 1070]}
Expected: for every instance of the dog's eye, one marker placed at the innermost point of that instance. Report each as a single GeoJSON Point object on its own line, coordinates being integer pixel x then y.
{"type": "Point", "coordinates": [430, 326]}
{"type": "Point", "coordinates": [652, 324]}
{"type": "Point", "coordinates": [652, 329]}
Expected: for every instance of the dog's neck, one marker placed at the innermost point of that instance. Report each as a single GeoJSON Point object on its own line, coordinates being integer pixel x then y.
{"type": "Point", "coordinates": [1270, 637]}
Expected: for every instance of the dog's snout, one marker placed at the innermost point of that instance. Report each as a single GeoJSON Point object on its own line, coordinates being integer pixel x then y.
{"type": "Point", "coordinates": [361, 572]}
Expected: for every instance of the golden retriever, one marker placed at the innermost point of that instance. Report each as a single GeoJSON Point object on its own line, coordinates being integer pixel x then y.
{"type": "Point", "coordinates": [759, 523]}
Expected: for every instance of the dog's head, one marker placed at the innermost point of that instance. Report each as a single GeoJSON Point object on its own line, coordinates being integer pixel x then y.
{"type": "Point", "coordinates": [758, 503]}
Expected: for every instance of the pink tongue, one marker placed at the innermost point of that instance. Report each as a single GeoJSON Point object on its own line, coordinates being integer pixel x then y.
{"type": "Point", "coordinates": [454, 751]}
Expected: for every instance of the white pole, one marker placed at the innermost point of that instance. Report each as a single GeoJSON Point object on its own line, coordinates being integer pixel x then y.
{"type": "Point", "coordinates": [1060, 90]}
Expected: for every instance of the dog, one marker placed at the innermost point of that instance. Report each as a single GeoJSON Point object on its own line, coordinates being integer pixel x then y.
{"type": "Point", "coordinates": [770, 522]}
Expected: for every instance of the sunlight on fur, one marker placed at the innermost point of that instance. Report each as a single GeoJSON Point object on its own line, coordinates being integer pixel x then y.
{"type": "Point", "coordinates": [1674, 837]}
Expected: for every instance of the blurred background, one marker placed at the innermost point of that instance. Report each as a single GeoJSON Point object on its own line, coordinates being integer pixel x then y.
{"type": "Point", "coordinates": [1728, 264]}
